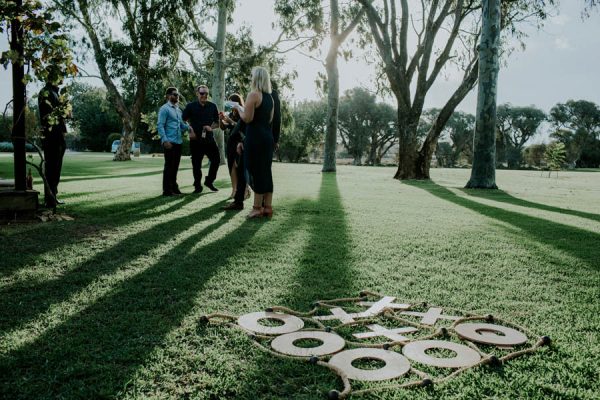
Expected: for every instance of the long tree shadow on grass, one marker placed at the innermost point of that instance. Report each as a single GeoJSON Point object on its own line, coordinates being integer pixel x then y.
{"type": "Point", "coordinates": [579, 243]}
{"type": "Point", "coordinates": [25, 245]}
{"type": "Point", "coordinates": [114, 176]}
{"type": "Point", "coordinates": [94, 353]}
{"type": "Point", "coordinates": [20, 303]}
{"type": "Point", "coordinates": [501, 196]}
{"type": "Point", "coordinates": [324, 271]}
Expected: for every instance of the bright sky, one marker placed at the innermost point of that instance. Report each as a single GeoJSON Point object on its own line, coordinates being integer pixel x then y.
{"type": "Point", "coordinates": [561, 62]}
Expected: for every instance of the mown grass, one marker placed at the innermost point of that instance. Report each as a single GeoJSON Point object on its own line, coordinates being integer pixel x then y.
{"type": "Point", "coordinates": [108, 305]}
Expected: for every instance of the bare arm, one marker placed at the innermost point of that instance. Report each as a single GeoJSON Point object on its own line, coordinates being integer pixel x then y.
{"type": "Point", "coordinates": [254, 99]}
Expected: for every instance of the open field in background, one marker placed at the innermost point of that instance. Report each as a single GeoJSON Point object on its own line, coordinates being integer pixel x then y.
{"type": "Point", "coordinates": [108, 305]}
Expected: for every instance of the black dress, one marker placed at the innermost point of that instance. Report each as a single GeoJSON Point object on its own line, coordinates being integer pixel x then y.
{"type": "Point", "coordinates": [233, 134]}
{"type": "Point", "coordinates": [258, 147]}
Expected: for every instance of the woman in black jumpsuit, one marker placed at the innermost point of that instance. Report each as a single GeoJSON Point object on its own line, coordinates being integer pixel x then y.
{"type": "Point", "coordinates": [258, 143]}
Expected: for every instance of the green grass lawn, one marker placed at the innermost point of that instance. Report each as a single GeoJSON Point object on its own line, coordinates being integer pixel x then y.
{"type": "Point", "coordinates": [109, 305]}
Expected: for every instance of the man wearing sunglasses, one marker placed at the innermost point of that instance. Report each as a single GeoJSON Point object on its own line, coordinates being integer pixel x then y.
{"type": "Point", "coordinates": [169, 126]}
{"type": "Point", "coordinates": [203, 116]}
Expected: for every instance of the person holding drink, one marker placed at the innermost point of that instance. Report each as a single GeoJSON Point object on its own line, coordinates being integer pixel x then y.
{"type": "Point", "coordinates": [203, 116]}
{"type": "Point", "coordinates": [234, 129]}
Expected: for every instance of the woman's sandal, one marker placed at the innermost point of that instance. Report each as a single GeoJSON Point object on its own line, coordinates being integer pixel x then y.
{"type": "Point", "coordinates": [257, 212]}
{"type": "Point", "coordinates": [267, 211]}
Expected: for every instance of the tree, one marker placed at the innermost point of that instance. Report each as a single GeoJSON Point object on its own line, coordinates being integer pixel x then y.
{"type": "Point", "coordinates": [32, 123]}
{"type": "Point", "coordinates": [341, 23]}
{"type": "Point", "coordinates": [459, 130]}
{"type": "Point", "coordinates": [577, 126]}
{"type": "Point", "coordinates": [355, 122]}
{"type": "Point", "coordinates": [161, 78]}
{"type": "Point", "coordinates": [38, 41]}
{"type": "Point", "coordinates": [444, 154]}
{"type": "Point", "coordinates": [411, 76]}
{"type": "Point", "coordinates": [125, 54]}
{"type": "Point", "coordinates": [366, 126]}
{"type": "Point", "coordinates": [93, 116]}
{"type": "Point", "coordinates": [555, 157]}
{"type": "Point", "coordinates": [383, 132]}
{"type": "Point", "coordinates": [230, 53]}
{"type": "Point", "coordinates": [304, 133]}
{"type": "Point", "coordinates": [483, 172]}
{"type": "Point", "coordinates": [5, 127]}
{"type": "Point", "coordinates": [534, 155]}
{"type": "Point", "coordinates": [337, 36]}
{"type": "Point", "coordinates": [516, 126]}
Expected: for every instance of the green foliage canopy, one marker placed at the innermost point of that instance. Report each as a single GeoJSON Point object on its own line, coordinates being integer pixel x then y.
{"type": "Point", "coordinates": [93, 116]}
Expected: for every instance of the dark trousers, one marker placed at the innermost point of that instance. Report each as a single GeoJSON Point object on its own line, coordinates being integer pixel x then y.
{"type": "Point", "coordinates": [240, 190]}
{"type": "Point", "coordinates": [172, 159]}
{"type": "Point", "coordinates": [54, 152]}
{"type": "Point", "coordinates": [200, 148]}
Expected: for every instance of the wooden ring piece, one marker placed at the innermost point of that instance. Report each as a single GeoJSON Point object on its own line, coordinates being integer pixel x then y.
{"type": "Point", "coordinates": [290, 323]}
{"type": "Point", "coordinates": [331, 343]}
{"type": "Point", "coordinates": [465, 356]}
{"type": "Point", "coordinates": [396, 364]}
{"type": "Point", "coordinates": [497, 335]}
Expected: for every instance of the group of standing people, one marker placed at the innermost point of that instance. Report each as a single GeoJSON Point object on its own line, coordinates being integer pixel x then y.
{"type": "Point", "coordinates": [252, 128]}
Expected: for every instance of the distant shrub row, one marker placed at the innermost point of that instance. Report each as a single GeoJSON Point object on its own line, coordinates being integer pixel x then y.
{"type": "Point", "coordinates": [7, 147]}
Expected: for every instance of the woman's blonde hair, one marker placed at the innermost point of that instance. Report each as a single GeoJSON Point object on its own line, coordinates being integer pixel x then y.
{"type": "Point", "coordinates": [261, 80]}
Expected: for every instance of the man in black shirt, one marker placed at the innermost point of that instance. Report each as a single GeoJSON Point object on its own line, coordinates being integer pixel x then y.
{"type": "Point", "coordinates": [53, 141]}
{"type": "Point", "coordinates": [203, 116]}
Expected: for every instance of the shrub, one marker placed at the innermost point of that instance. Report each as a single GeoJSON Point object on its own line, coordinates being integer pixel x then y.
{"type": "Point", "coordinates": [7, 147]}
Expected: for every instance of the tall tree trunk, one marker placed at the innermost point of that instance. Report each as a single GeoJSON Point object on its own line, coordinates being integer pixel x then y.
{"type": "Point", "coordinates": [18, 130]}
{"type": "Point", "coordinates": [132, 118]}
{"type": "Point", "coordinates": [373, 149]}
{"type": "Point", "coordinates": [218, 86]}
{"type": "Point", "coordinates": [123, 152]}
{"type": "Point", "coordinates": [483, 173]}
{"type": "Point", "coordinates": [333, 99]}
{"type": "Point", "coordinates": [407, 134]}
{"type": "Point", "coordinates": [333, 81]}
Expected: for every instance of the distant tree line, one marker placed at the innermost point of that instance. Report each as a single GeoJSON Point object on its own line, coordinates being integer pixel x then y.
{"type": "Point", "coordinates": [575, 124]}
{"type": "Point", "coordinates": [368, 132]}
{"type": "Point", "coordinates": [367, 128]}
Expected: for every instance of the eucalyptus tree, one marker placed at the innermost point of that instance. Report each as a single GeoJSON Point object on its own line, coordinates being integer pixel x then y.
{"type": "Point", "coordinates": [366, 127]}
{"type": "Point", "coordinates": [230, 53]}
{"type": "Point", "coordinates": [342, 19]}
{"type": "Point", "coordinates": [125, 37]}
{"type": "Point", "coordinates": [516, 126]}
{"type": "Point", "coordinates": [305, 133]}
{"type": "Point", "coordinates": [415, 44]}
{"type": "Point", "coordinates": [459, 129]}
{"type": "Point", "coordinates": [576, 124]}
{"type": "Point", "coordinates": [483, 172]}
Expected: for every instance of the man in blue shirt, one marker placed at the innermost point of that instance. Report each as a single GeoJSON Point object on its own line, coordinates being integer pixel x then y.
{"type": "Point", "coordinates": [170, 124]}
